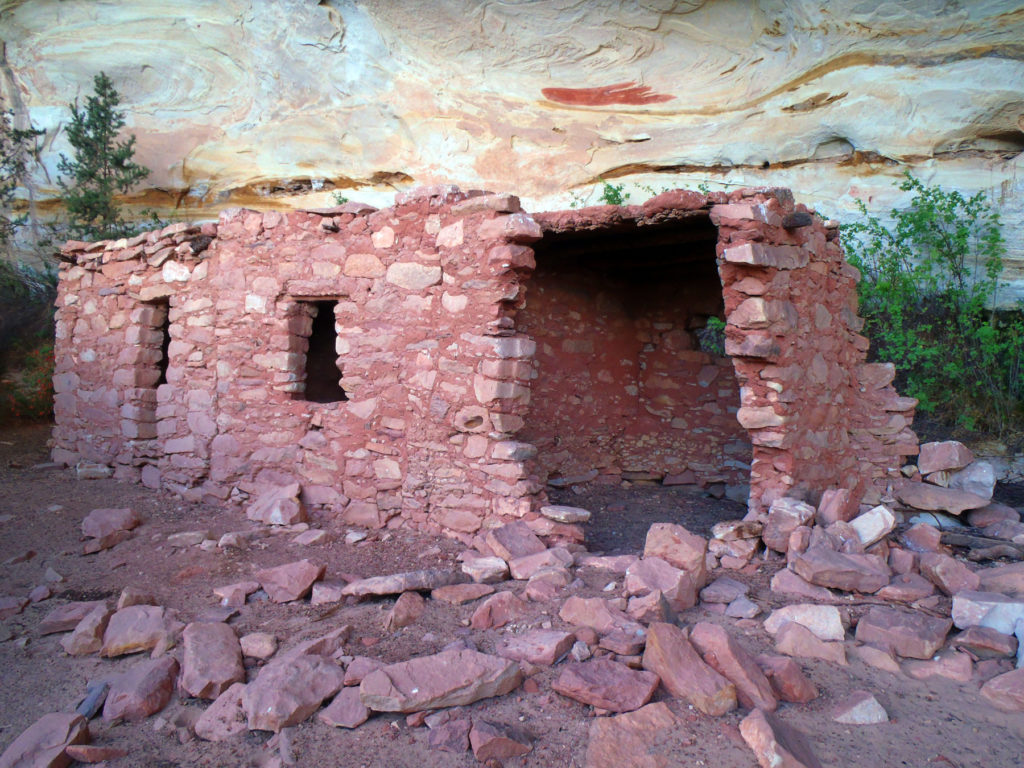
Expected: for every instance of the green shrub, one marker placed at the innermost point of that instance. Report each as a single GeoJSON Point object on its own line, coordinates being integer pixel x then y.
{"type": "Point", "coordinates": [930, 281]}
{"type": "Point", "coordinates": [28, 394]}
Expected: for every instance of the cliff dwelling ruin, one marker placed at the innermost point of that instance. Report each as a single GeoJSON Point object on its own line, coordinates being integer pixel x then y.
{"type": "Point", "coordinates": [438, 363]}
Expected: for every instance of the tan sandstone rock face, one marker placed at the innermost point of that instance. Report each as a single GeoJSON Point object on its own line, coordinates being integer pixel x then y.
{"type": "Point", "coordinates": [798, 85]}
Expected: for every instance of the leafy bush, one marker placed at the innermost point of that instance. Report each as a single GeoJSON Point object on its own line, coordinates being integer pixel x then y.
{"type": "Point", "coordinates": [712, 337]}
{"type": "Point", "coordinates": [28, 395]}
{"type": "Point", "coordinates": [929, 285]}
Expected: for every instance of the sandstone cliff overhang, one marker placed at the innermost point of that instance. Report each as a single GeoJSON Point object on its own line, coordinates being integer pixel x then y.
{"type": "Point", "coordinates": [438, 363]}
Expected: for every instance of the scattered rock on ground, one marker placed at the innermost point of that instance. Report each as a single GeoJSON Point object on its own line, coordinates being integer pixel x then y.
{"type": "Point", "coordinates": [289, 689]}
{"type": "Point", "coordinates": [909, 634]}
{"type": "Point", "coordinates": [497, 741]}
{"type": "Point", "coordinates": [278, 505]}
{"type": "Point", "coordinates": [211, 660]}
{"type": "Point", "coordinates": [224, 718]}
{"type": "Point", "coordinates": [43, 744]}
{"type": "Point", "coordinates": [860, 708]}
{"type": "Point", "coordinates": [627, 740]}
{"type": "Point", "coordinates": [825, 621]}
{"type": "Point", "coordinates": [670, 655]}
{"type": "Point", "coordinates": [139, 628]}
{"type": "Point", "coordinates": [606, 684]}
{"type": "Point", "coordinates": [397, 583]}
{"type": "Point", "coordinates": [142, 691]}
{"type": "Point", "coordinates": [775, 744]}
{"type": "Point", "coordinates": [345, 711]}
{"type": "Point", "coordinates": [291, 581]}
{"type": "Point", "coordinates": [101, 523]}
{"type": "Point", "coordinates": [407, 609]}
{"type": "Point", "coordinates": [543, 647]}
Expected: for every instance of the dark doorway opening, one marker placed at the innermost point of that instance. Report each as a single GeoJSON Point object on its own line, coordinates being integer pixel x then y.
{"type": "Point", "coordinates": [322, 371]}
{"type": "Point", "coordinates": [165, 342]}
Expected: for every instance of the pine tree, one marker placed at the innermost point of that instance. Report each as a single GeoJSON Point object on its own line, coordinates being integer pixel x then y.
{"type": "Point", "coordinates": [101, 166]}
{"type": "Point", "coordinates": [14, 154]}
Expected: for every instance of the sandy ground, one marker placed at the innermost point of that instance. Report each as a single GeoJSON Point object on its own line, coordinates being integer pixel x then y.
{"type": "Point", "coordinates": [933, 723]}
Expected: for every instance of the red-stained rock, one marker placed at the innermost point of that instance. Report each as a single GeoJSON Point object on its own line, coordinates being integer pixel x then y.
{"type": "Point", "coordinates": [1006, 691]}
{"type": "Point", "coordinates": [650, 607]}
{"type": "Point", "coordinates": [346, 710]}
{"type": "Point", "coordinates": [484, 569]}
{"type": "Point", "coordinates": [922, 537]}
{"type": "Point", "coordinates": [525, 567]}
{"type": "Point", "coordinates": [775, 744]}
{"type": "Point", "coordinates": [932, 498]}
{"type": "Point", "coordinates": [1005, 579]}
{"type": "Point", "coordinates": [497, 741]}
{"type": "Point", "coordinates": [278, 505]}
{"type": "Point", "coordinates": [788, 681]}
{"type": "Point", "coordinates": [784, 516]}
{"type": "Point", "coordinates": [66, 617]}
{"type": "Point", "coordinates": [89, 753]}
{"type": "Point", "coordinates": [291, 581]}
{"type": "Point", "coordinates": [288, 690]}
{"type": "Point", "coordinates": [606, 684]}
{"type": "Point", "coordinates": [406, 610]}
{"type": "Point", "coordinates": [938, 457]}
{"type": "Point", "coordinates": [451, 736]}
{"type": "Point", "coordinates": [907, 634]}
{"type": "Point", "coordinates": [446, 679]}
{"type": "Point", "coordinates": [786, 582]}
{"type": "Point", "coordinates": [101, 523]}
{"type": "Point", "coordinates": [951, 665]}
{"type": "Point", "coordinates": [142, 691]}
{"type": "Point", "coordinates": [595, 613]}
{"type": "Point", "coordinates": [396, 583]}
{"type": "Point", "coordinates": [794, 639]}
{"type": "Point", "coordinates": [859, 573]}
{"type": "Point", "coordinates": [224, 718]}
{"type": "Point", "coordinates": [44, 743]}
{"type": "Point", "coordinates": [948, 574]}
{"type": "Point", "coordinates": [678, 587]}
{"type": "Point", "coordinates": [543, 647]}
{"type": "Point", "coordinates": [360, 667]}
{"type": "Point", "coordinates": [723, 590]}
{"type": "Point", "coordinates": [87, 636]}
{"type": "Point", "coordinates": [457, 594]}
{"type": "Point", "coordinates": [986, 643]}
{"type": "Point", "coordinates": [514, 540]}
{"type": "Point", "coordinates": [628, 740]}
{"type": "Point", "coordinates": [258, 645]}
{"type": "Point", "coordinates": [139, 628]}
{"type": "Point", "coordinates": [877, 658]}
{"type": "Point", "coordinates": [907, 588]}
{"type": "Point", "coordinates": [624, 644]}
{"type": "Point", "coordinates": [727, 657]}
{"type": "Point", "coordinates": [825, 621]}
{"type": "Point", "coordinates": [547, 584]}
{"type": "Point", "coordinates": [498, 610]}
{"type": "Point", "coordinates": [991, 514]}
{"type": "Point", "coordinates": [211, 660]}
{"type": "Point", "coordinates": [233, 595]}
{"type": "Point", "coordinates": [670, 655]}
{"type": "Point", "coordinates": [680, 548]}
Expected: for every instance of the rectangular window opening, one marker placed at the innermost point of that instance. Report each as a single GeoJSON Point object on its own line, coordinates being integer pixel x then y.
{"type": "Point", "coordinates": [322, 371]}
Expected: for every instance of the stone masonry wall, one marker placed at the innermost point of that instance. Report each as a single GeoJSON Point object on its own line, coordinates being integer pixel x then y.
{"type": "Point", "coordinates": [181, 358]}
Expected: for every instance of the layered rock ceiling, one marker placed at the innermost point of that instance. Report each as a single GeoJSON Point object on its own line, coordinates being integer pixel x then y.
{"type": "Point", "coordinates": [276, 104]}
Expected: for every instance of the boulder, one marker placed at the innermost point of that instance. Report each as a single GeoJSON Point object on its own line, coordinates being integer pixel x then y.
{"type": "Point", "coordinates": [952, 665]}
{"type": "Point", "coordinates": [595, 613]}
{"type": "Point", "coordinates": [907, 588]}
{"type": "Point", "coordinates": [346, 711]}
{"type": "Point", "coordinates": [66, 617]}
{"type": "Point", "coordinates": [514, 540]}
{"type": "Point", "coordinates": [211, 660]}
{"type": "Point", "coordinates": [932, 498]}
{"type": "Point", "coordinates": [853, 573]}
{"type": "Point", "coordinates": [978, 477]}
{"type": "Point", "coordinates": [396, 583]}
{"type": "Point", "coordinates": [139, 628]}
{"type": "Point", "coordinates": [922, 537]}
{"type": "Point", "coordinates": [986, 643]}
{"type": "Point", "coordinates": [525, 567]}
{"type": "Point", "coordinates": [547, 584]}
{"type": "Point", "coordinates": [291, 581]}
{"type": "Point", "coordinates": [775, 744]}
{"type": "Point", "coordinates": [606, 684]}
{"type": "Point", "coordinates": [908, 634]}
{"type": "Point", "coordinates": [407, 609]}
{"type": "Point", "coordinates": [670, 655]}
{"type": "Point", "coordinates": [859, 708]}
{"type": "Point", "coordinates": [788, 681]}
{"type": "Point", "coordinates": [987, 609]}
{"type": "Point", "coordinates": [742, 608]}
{"type": "Point", "coordinates": [873, 524]}
{"type": "Point", "coordinates": [723, 590]}
{"type": "Point", "coordinates": [101, 523]}
{"type": "Point", "coordinates": [278, 505]}
{"type": "Point", "coordinates": [360, 667]}
{"type": "Point", "coordinates": [258, 645]}
{"type": "Point", "coordinates": [484, 570]}
{"type": "Point", "coordinates": [948, 574]}
{"type": "Point", "coordinates": [944, 456]}
{"type": "Point", "coordinates": [142, 691]}
{"type": "Point", "coordinates": [234, 595]}
{"type": "Point", "coordinates": [451, 736]}
{"type": "Point", "coordinates": [786, 582]}
{"type": "Point", "coordinates": [679, 548]}
{"type": "Point", "coordinates": [825, 621]}
{"type": "Point", "coordinates": [224, 718]}
{"type": "Point", "coordinates": [87, 636]}
{"type": "Point", "coordinates": [447, 679]}
{"type": "Point", "coordinates": [1006, 579]}
{"type": "Point", "coordinates": [794, 639]}
{"type": "Point", "coordinates": [289, 689]}
{"type": "Point", "coordinates": [542, 647]}
{"type": "Point", "coordinates": [493, 741]}
{"type": "Point", "coordinates": [727, 657]}
{"type": "Point", "coordinates": [678, 587]}
{"type": "Point", "coordinates": [629, 740]}
{"type": "Point", "coordinates": [43, 744]}
{"type": "Point", "coordinates": [784, 516]}
{"type": "Point", "coordinates": [992, 513]}
{"type": "Point", "coordinates": [1006, 691]}
{"type": "Point", "coordinates": [498, 610]}
{"type": "Point", "coordinates": [457, 594]}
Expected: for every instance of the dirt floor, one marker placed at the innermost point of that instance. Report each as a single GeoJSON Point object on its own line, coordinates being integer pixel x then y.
{"type": "Point", "coordinates": [933, 723]}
